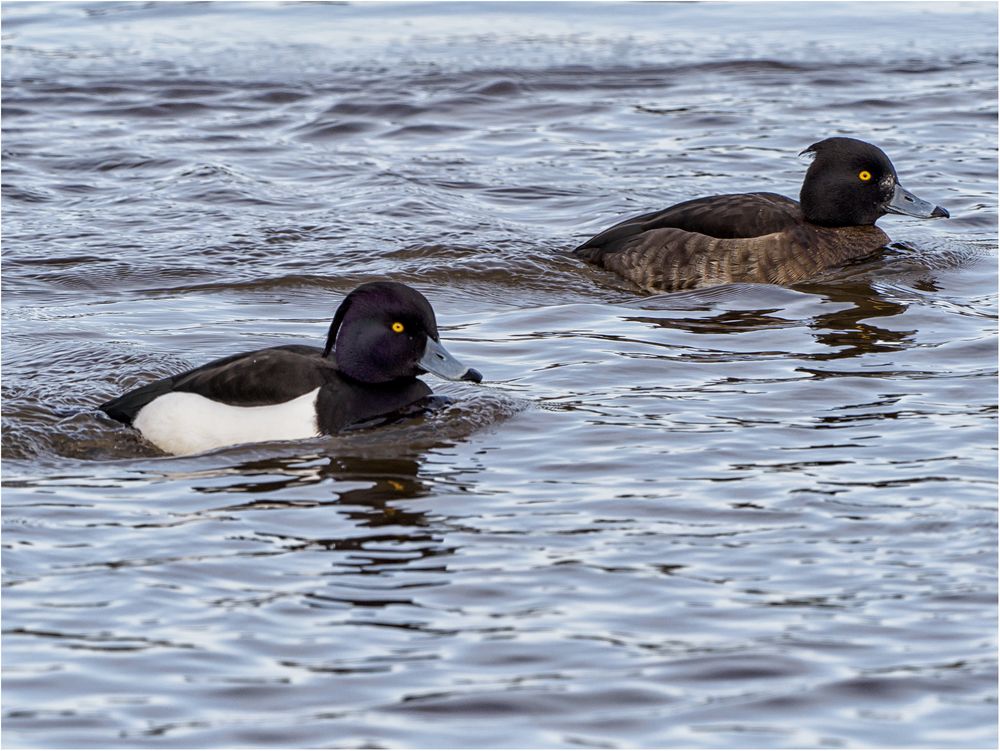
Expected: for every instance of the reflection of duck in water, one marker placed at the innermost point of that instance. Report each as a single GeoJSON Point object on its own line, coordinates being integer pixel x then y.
{"type": "Point", "coordinates": [848, 330]}
{"type": "Point", "coordinates": [764, 237]}
{"type": "Point", "coordinates": [368, 494]}
{"type": "Point", "coordinates": [383, 336]}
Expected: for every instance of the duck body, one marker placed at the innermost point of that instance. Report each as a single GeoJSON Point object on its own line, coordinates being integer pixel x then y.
{"type": "Point", "coordinates": [293, 392]}
{"type": "Point", "coordinates": [763, 237]}
{"type": "Point", "coordinates": [276, 394]}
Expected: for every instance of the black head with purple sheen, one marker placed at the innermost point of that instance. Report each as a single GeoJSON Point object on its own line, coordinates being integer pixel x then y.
{"type": "Point", "coordinates": [386, 331]}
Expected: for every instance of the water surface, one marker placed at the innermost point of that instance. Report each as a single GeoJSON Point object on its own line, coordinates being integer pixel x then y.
{"type": "Point", "coordinates": [748, 516]}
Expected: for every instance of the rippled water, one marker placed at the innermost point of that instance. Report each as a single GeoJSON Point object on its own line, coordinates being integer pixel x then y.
{"type": "Point", "coordinates": [741, 516]}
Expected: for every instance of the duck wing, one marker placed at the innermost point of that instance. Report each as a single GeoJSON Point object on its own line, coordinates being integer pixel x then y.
{"type": "Point", "coordinates": [250, 379]}
{"type": "Point", "coordinates": [738, 215]}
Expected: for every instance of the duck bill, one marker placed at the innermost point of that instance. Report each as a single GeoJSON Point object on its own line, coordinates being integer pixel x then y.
{"type": "Point", "coordinates": [442, 363]}
{"type": "Point", "coordinates": [904, 202]}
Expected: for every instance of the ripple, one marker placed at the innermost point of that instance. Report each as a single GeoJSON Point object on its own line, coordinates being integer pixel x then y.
{"type": "Point", "coordinates": [746, 516]}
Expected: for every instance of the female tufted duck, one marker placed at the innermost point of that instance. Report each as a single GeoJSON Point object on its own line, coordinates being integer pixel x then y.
{"type": "Point", "coordinates": [764, 237]}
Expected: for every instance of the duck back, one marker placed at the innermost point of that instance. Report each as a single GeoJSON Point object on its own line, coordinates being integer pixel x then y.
{"type": "Point", "coordinates": [726, 216]}
{"type": "Point", "coordinates": [267, 376]}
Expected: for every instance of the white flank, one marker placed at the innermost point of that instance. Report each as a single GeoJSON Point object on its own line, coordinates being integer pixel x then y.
{"type": "Point", "coordinates": [183, 423]}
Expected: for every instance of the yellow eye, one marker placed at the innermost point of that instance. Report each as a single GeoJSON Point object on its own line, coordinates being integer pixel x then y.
{"type": "Point", "coordinates": [397, 327]}
{"type": "Point", "coordinates": [864, 175]}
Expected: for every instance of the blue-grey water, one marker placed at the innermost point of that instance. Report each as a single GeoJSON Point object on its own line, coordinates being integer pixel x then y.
{"type": "Point", "coordinates": [746, 516]}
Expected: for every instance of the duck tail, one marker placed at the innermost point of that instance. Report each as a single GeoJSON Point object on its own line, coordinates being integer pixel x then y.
{"type": "Point", "coordinates": [125, 407]}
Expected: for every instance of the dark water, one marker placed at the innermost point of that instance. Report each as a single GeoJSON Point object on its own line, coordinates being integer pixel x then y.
{"type": "Point", "coordinates": [743, 516]}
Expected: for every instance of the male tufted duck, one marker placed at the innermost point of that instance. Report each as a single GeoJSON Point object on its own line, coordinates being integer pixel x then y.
{"type": "Point", "coordinates": [383, 336]}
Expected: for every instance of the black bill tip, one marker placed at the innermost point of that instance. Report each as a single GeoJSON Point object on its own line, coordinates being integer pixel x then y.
{"type": "Point", "coordinates": [940, 212]}
{"type": "Point", "coordinates": [472, 375]}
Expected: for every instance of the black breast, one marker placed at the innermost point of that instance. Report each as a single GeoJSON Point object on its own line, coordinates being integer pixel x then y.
{"type": "Point", "coordinates": [343, 402]}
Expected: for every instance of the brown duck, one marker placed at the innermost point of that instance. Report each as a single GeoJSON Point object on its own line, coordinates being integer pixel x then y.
{"type": "Point", "coordinates": [764, 237]}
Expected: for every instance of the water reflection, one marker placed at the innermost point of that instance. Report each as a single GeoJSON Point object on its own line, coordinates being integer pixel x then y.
{"type": "Point", "coordinates": [365, 491]}
{"type": "Point", "coordinates": [726, 322]}
{"type": "Point", "coordinates": [845, 330]}
{"type": "Point", "coordinates": [382, 481]}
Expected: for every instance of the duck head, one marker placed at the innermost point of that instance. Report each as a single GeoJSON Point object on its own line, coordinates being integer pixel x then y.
{"type": "Point", "coordinates": [852, 183]}
{"type": "Point", "coordinates": [385, 331]}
